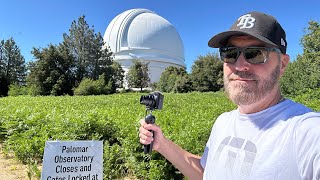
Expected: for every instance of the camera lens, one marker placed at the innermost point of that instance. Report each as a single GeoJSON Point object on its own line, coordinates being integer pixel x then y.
{"type": "Point", "coordinates": [148, 101]}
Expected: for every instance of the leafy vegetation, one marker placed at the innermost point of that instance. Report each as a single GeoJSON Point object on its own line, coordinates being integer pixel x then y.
{"type": "Point", "coordinates": [207, 73]}
{"type": "Point", "coordinates": [93, 87]}
{"type": "Point", "coordinates": [12, 65]}
{"type": "Point", "coordinates": [27, 122]}
{"type": "Point", "coordinates": [51, 73]}
{"type": "Point", "coordinates": [303, 74]}
{"type": "Point", "coordinates": [138, 75]}
{"type": "Point", "coordinates": [310, 98]}
{"type": "Point", "coordinates": [80, 61]}
{"type": "Point", "coordinates": [174, 79]}
{"type": "Point", "coordinates": [58, 69]}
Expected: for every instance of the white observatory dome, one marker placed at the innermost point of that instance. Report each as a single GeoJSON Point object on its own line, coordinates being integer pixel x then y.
{"type": "Point", "coordinates": [144, 35]}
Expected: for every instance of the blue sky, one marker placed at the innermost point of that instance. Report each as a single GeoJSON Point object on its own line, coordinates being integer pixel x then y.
{"type": "Point", "coordinates": [37, 23]}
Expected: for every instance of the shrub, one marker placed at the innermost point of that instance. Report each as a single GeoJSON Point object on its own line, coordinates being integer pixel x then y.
{"type": "Point", "coordinates": [185, 118]}
{"type": "Point", "coordinates": [16, 90]}
{"type": "Point", "coordinates": [33, 90]}
{"type": "Point", "coordinates": [174, 79]}
{"type": "Point", "coordinates": [93, 87]}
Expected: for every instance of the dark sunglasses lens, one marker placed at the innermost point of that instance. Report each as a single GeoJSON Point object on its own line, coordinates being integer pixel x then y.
{"type": "Point", "coordinates": [229, 55]}
{"type": "Point", "coordinates": [255, 55]}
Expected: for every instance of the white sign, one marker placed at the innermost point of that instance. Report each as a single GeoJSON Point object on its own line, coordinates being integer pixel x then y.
{"type": "Point", "coordinates": [73, 160]}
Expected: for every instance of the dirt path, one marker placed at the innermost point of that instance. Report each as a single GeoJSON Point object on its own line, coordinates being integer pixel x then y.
{"type": "Point", "coordinates": [11, 169]}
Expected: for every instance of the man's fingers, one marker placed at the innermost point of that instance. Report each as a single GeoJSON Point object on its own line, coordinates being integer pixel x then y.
{"type": "Point", "coordinates": [144, 142]}
{"type": "Point", "coordinates": [145, 133]}
{"type": "Point", "coordinates": [142, 122]}
{"type": "Point", "coordinates": [145, 130]}
{"type": "Point", "coordinates": [145, 139]}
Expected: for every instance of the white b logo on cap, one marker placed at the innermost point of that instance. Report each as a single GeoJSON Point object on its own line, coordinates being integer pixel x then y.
{"type": "Point", "coordinates": [283, 43]}
{"type": "Point", "coordinates": [246, 21]}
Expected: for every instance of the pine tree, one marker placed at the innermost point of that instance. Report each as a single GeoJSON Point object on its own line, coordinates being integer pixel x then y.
{"type": "Point", "coordinates": [12, 66]}
{"type": "Point", "coordinates": [59, 69]}
{"type": "Point", "coordinates": [86, 48]}
{"type": "Point", "coordinates": [15, 63]}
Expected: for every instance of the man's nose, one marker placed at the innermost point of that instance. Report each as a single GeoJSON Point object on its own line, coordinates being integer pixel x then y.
{"type": "Point", "coordinates": [241, 63]}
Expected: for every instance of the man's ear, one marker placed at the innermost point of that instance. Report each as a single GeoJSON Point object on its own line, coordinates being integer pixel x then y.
{"type": "Point", "coordinates": [285, 59]}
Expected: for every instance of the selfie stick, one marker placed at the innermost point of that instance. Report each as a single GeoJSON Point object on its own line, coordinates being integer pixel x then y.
{"type": "Point", "coordinates": [150, 119]}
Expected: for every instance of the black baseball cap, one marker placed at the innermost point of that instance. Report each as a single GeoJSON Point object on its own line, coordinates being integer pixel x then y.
{"type": "Point", "coordinates": [259, 25]}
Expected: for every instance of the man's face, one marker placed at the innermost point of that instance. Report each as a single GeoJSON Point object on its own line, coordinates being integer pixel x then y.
{"type": "Point", "coordinates": [247, 83]}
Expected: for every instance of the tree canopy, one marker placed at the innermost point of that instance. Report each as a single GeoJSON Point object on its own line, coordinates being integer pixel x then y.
{"type": "Point", "coordinates": [12, 65]}
{"type": "Point", "coordinates": [138, 75]}
{"type": "Point", "coordinates": [207, 73]}
{"type": "Point", "coordinates": [52, 72]}
{"type": "Point", "coordinates": [59, 69]}
{"type": "Point", "coordinates": [174, 79]}
{"type": "Point", "coordinates": [303, 73]}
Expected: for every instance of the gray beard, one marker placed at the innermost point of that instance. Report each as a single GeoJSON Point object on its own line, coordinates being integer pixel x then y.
{"type": "Point", "coordinates": [246, 95]}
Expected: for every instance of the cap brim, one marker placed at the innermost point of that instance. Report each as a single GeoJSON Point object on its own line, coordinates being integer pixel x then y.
{"type": "Point", "coordinates": [221, 39]}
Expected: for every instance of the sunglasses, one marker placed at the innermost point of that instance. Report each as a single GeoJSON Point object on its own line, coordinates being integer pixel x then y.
{"type": "Point", "coordinates": [253, 55]}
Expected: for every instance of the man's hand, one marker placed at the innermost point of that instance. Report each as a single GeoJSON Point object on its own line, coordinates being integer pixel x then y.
{"type": "Point", "coordinates": [146, 137]}
{"type": "Point", "coordinates": [186, 162]}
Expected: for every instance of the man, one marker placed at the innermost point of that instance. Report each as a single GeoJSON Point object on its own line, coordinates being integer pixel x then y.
{"type": "Point", "coordinates": [267, 136]}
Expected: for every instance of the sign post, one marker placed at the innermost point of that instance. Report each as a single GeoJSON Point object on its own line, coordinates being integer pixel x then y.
{"type": "Point", "coordinates": [73, 160]}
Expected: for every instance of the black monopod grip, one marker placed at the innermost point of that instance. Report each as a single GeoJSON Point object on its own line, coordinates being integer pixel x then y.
{"type": "Point", "coordinates": [150, 119]}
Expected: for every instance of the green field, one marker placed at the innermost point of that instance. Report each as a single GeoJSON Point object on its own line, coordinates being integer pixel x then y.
{"type": "Point", "coordinates": [26, 123]}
